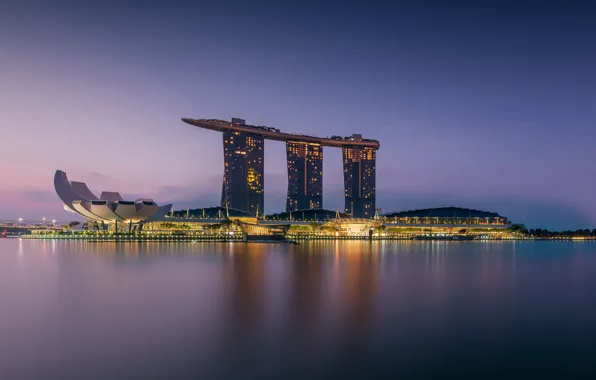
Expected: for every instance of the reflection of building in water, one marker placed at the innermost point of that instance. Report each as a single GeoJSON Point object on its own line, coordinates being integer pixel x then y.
{"type": "Point", "coordinates": [308, 298]}
{"type": "Point", "coordinates": [126, 251]}
{"type": "Point", "coordinates": [332, 301]}
{"type": "Point", "coordinates": [358, 288]}
{"type": "Point", "coordinates": [245, 300]}
{"type": "Point", "coordinates": [435, 254]}
{"type": "Point", "coordinates": [361, 271]}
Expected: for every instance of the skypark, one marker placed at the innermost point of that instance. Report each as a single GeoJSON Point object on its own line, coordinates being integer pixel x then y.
{"type": "Point", "coordinates": [270, 133]}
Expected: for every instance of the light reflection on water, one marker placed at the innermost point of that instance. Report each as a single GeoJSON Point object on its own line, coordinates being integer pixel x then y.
{"type": "Point", "coordinates": [319, 309]}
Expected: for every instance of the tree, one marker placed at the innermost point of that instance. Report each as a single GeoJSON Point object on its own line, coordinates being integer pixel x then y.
{"type": "Point", "coordinates": [316, 227]}
{"type": "Point", "coordinates": [520, 228]}
{"type": "Point", "coordinates": [329, 229]}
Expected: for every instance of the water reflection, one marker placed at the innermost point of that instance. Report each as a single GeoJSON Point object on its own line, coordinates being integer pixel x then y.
{"type": "Point", "coordinates": [320, 309]}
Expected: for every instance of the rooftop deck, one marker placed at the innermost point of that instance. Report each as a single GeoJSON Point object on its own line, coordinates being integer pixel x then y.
{"type": "Point", "coordinates": [276, 134]}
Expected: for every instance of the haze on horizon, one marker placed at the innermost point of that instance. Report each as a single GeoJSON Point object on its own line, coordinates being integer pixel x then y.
{"type": "Point", "coordinates": [482, 106]}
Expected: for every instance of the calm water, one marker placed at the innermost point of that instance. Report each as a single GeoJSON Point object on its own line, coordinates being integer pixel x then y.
{"type": "Point", "coordinates": [327, 309]}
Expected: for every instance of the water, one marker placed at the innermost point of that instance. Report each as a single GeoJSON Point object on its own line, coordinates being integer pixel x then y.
{"type": "Point", "coordinates": [76, 310]}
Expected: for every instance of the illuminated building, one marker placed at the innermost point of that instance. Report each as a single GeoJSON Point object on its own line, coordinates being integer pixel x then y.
{"type": "Point", "coordinates": [109, 208]}
{"type": "Point", "coordinates": [312, 215]}
{"type": "Point", "coordinates": [243, 157]}
{"type": "Point", "coordinates": [305, 175]}
{"type": "Point", "coordinates": [242, 187]}
{"type": "Point", "coordinates": [359, 181]}
{"type": "Point", "coordinates": [455, 216]}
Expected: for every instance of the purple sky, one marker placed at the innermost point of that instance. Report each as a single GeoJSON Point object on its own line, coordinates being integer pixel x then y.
{"type": "Point", "coordinates": [489, 107]}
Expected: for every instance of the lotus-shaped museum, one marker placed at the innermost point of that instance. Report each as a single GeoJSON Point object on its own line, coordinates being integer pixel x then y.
{"type": "Point", "coordinates": [109, 207]}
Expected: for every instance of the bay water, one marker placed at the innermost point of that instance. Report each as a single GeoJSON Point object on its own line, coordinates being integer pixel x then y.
{"type": "Point", "coordinates": [333, 309]}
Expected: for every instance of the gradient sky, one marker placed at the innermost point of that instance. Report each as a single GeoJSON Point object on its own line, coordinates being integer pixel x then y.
{"type": "Point", "coordinates": [488, 105]}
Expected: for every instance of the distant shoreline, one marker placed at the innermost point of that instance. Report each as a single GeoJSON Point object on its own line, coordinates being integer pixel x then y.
{"type": "Point", "coordinates": [228, 239]}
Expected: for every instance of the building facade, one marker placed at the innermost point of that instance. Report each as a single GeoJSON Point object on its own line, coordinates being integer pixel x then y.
{"type": "Point", "coordinates": [447, 216]}
{"type": "Point", "coordinates": [243, 181]}
{"type": "Point", "coordinates": [243, 185]}
{"type": "Point", "coordinates": [305, 175]}
{"type": "Point", "coordinates": [109, 209]}
{"type": "Point", "coordinates": [359, 181]}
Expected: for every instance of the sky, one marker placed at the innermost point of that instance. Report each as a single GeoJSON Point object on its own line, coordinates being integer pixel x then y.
{"type": "Point", "coordinates": [487, 105]}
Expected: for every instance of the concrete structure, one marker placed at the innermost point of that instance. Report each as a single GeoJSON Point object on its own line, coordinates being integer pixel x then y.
{"type": "Point", "coordinates": [109, 208]}
{"type": "Point", "coordinates": [305, 175]}
{"type": "Point", "coordinates": [243, 181]}
{"type": "Point", "coordinates": [447, 216]}
{"type": "Point", "coordinates": [210, 215]}
{"type": "Point", "coordinates": [243, 159]}
{"type": "Point", "coordinates": [308, 215]}
{"type": "Point", "coordinates": [270, 133]}
{"type": "Point", "coordinates": [359, 180]}
{"type": "Point", "coordinates": [224, 224]}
